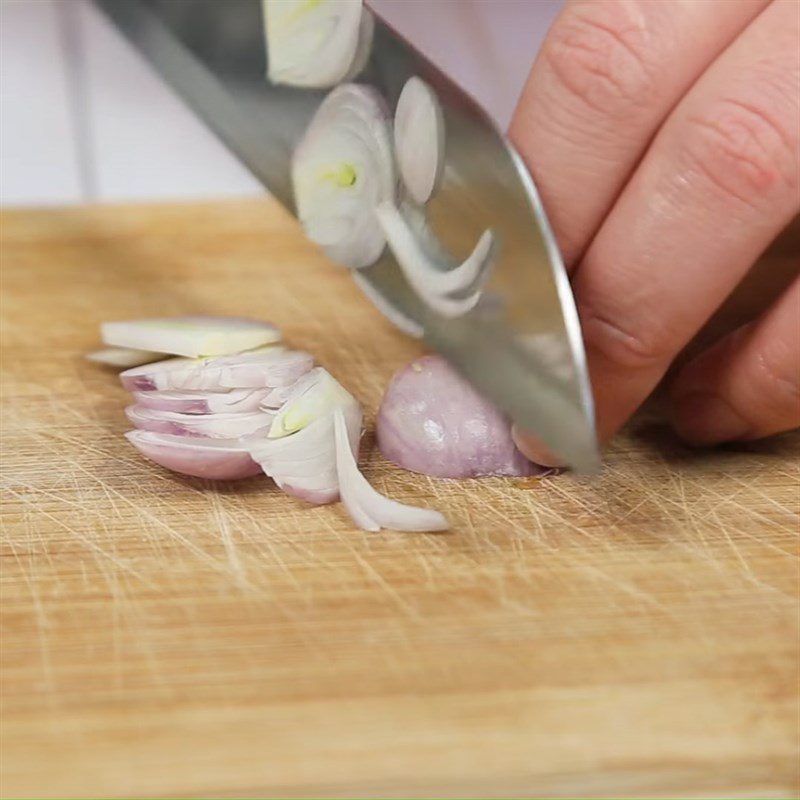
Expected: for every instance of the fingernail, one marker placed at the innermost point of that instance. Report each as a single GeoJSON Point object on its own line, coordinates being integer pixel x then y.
{"type": "Point", "coordinates": [534, 450]}
{"type": "Point", "coordinates": [704, 419]}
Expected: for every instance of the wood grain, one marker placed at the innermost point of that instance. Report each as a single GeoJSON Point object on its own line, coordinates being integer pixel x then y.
{"type": "Point", "coordinates": [633, 635]}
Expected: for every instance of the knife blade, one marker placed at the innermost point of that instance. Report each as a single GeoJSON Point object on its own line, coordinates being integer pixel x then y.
{"type": "Point", "coordinates": [522, 345]}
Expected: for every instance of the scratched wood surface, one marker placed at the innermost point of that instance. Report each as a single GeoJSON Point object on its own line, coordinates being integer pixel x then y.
{"type": "Point", "coordinates": [634, 635]}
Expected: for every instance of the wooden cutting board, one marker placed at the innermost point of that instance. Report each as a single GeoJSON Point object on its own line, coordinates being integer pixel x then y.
{"type": "Point", "coordinates": [632, 635]}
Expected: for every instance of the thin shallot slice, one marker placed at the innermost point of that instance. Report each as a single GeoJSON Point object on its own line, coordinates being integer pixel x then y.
{"type": "Point", "coordinates": [316, 393]}
{"type": "Point", "coordinates": [221, 402]}
{"type": "Point", "coordinates": [190, 336]}
{"type": "Point", "coordinates": [369, 509]}
{"type": "Point", "coordinates": [123, 357]}
{"type": "Point", "coordinates": [267, 367]}
{"type": "Point", "coordinates": [215, 459]}
{"type": "Point", "coordinates": [298, 488]}
{"type": "Point", "coordinates": [305, 460]}
{"type": "Point", "coordinates": [278, 396]}
{"type": "Point", "coordinates": [211, 426]}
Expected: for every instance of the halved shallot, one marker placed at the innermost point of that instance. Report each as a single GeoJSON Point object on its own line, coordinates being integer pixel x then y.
{"type": "Point", "coordinates": [432, 421]}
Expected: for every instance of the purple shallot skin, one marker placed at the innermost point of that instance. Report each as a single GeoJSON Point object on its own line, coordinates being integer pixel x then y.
{"type": "Point", "coordinates": [432, 421]}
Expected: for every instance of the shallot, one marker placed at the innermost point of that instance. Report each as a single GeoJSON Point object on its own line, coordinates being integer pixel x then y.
{"type": "Point", "coordinates": [221, 402]}
{"type": "Point", "coordinates": [369, 509]}
{"type": "Point", "coordinates": [269, 366]}
{"type": "Point", "coordinates": [190, 336]}
{"type": "Point", "coordinates": [123, 357]}
{"type": "Point", "coordinates": [432, 421]}
{"type": "Point", "coordinates": [232, 425]}
{"type": "Point", "coordinates": [215, 459]}
{"type": "Point", "coordinates": [264, 410]}
{"type": "Point", "coordinates": [299, 451]}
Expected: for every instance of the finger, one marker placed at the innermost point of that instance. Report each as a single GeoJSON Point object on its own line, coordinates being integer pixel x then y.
{"type": "Point", "coordinates": [748, 385]}
{"type": "Point", "coordinates": [534, 449]}
{"type": "Point", "coordinates": [719, 182]}
{"type": "Point", "coordinates": [607, 76]}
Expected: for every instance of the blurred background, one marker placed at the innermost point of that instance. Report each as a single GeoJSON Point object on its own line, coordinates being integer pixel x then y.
{"type": "Point", "coordinates": [83, 118]}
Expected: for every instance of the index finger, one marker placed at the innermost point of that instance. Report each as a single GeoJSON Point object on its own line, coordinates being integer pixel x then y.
{"type": "Point", "coordinates": [608, 74]}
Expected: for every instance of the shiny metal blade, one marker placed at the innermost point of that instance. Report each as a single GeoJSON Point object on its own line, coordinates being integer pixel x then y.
{"type": "Point", "coordinates": [521, 346]}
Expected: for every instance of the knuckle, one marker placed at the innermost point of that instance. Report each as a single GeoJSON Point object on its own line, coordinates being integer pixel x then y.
{"type": "Point", "coordinates": [631, 348]}
{"type": "Point", "coordinates": [742, 150]}
{"type": "Point", "coordinates": [600, 56]}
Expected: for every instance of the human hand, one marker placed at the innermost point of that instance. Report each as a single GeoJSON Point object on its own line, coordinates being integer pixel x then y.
{"type": "Point", "coordinates": [664, 137]}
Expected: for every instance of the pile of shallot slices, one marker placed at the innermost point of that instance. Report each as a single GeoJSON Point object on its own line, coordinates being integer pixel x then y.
{"type": "Point", "coordinates": [236, 403]}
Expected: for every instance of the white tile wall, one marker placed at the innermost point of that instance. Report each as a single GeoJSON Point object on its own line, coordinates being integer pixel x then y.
{"type": "Point", "coordinates": [84, 118]}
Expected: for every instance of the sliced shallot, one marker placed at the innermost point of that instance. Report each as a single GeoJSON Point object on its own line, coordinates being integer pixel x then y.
{"type": "Point", "coordinates": [190, 336]}
{"type": "Point", "coordinates": [314, 43]}
{"type": "Point", "coordinates": [267, 367]}
{"type": "Point", "coordinates": [304, 462]}
{"type": "Point", "coordinates": [341, 170]}
{"type": "Point", "coordinates": [276, 397]}
{"type": "Point", "coordinates": [123, 357]}
{"type": "Point", "coordinates": [211, 426]}
{"type": "Point", "coordinates": [369, 509]}
{"type": "Point", "coordinates": [315, 394]}
{"type": "Point", "coordinates": [215, 459]}
{"type": "Point", "coordinates": [220, 402]}
{"type": "Point", "coordinates": [269, 410]}
{"type": "Point", "coordinates": [419, 139]}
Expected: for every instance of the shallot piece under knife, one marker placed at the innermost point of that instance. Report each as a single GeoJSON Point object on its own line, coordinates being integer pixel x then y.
{"type": "Point", "coordinates": [432, 421]}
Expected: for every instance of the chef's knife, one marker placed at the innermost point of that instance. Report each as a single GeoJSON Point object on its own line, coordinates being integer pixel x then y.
{"type": "Point", "coordinates": [521, 346]}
